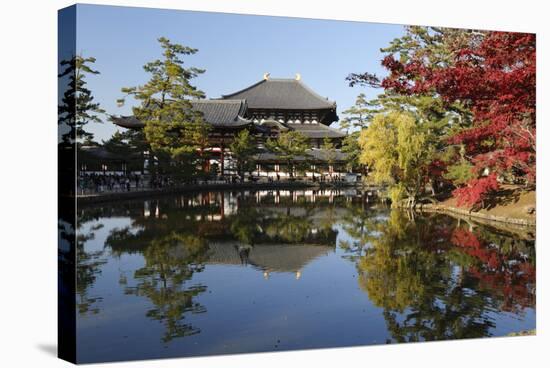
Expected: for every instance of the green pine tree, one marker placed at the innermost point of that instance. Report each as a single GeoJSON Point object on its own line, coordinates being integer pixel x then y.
{"type": "Point", "coordinates": [358, 115]}
{"type": "Point", "coordinates": [243, 149]}
{"type": "Point", "coordinates": [177, 134]}
{"type": "Point", "coordinates": [288, 146]}
{"type": "Point", "coordinates": [329, 153]}
{"type": "Point", "coordinates": [78, 107]}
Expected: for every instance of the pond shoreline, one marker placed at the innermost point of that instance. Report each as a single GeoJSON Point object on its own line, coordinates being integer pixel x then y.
{"type": "Point", "coordinates": [443, 208]}
{"type": "Point", "coordinates": [446, 209]}
{"type": "Point", "coordinates": [136, 194]}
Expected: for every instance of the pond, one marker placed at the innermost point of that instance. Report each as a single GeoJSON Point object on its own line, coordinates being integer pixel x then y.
{"type": "Point", "coordinates": [234, 272]}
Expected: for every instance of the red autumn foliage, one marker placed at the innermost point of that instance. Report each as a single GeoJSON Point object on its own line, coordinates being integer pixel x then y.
{"type": "Point", "coordinates": [476, 190]}
{"type": "Point", "coordinates": [495, 79]}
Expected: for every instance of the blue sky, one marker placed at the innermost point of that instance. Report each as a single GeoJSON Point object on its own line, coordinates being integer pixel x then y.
{"type": "Point", "coordinates": [235, 50]}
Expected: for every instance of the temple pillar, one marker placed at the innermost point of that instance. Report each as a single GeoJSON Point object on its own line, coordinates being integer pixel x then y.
{"type": "Point", "coordinates": [222, 157]}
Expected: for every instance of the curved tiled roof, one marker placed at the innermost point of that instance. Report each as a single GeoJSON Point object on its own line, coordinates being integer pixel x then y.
{"type": "Point", "coordinates": [222, 113]}
{"type": "Point", "coordinates": [282, 94]}
{"type": "Point", "coordinates": [317, 131]}
{"type": "Point", "coordinates": [270, 123]}
{"type": "Point", "coordinates": [129, 122]}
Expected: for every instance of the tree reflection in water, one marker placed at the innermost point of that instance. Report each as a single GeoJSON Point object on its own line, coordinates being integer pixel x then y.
{"type": "Point", "coordinates": [436, 279]}
{"type": "Point", "coordinates": [88, 268]}
{"type": "Point", "coordinates": [170, 261]}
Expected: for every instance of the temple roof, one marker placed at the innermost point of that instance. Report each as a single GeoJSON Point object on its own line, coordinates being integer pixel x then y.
{"type": "Point", "coordinates": [313, 155]}
{"type": "Point", "coordinates": [273, 124]}
{"type": "Point", "coordinates": [282, 94]}
{"type": "Point", "coordinates": [220, 113]}
{"type": "Point", "coordinates": [312, 131]}
{"type": "Point", "coordinates": [317, 131]}
{"type": "Point", "coordinates": [102, 153]}
{"type": "Point", "coordinates": [129, 122]}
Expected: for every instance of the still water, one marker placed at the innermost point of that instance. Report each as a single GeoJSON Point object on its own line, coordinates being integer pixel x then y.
{"type": "Point", "coordinates": [232, 272]}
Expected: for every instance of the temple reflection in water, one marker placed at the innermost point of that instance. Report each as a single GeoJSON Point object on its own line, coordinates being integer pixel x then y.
{"type": "Point", "coordinates": [280, 231]}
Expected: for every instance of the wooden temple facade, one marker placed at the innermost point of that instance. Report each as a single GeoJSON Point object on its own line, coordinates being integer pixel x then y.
{"type": "Point", "coordinates": [267, 108]}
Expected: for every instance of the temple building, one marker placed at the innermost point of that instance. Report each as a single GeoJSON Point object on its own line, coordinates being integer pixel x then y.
{"type": "Point", "coordinates": [288, 104]}
{"type": "Point", "coordinates": [268, 108]}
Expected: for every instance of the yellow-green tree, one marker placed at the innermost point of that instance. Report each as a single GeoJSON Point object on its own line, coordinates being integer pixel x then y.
{"type": "Point", "coordinates": [398, 150]}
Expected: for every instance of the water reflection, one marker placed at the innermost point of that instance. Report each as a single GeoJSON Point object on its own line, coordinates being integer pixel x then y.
{"type": "Point", "coordinates": [88, 267]}
{"type": "Point", "coordinates": [170, 261]}
{"type": "Point", "coordinates": [436, 279]}
{"type": "Point", "coordinates": [423, 278]}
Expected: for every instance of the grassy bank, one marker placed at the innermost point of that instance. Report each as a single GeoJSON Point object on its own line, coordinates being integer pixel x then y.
{"type": "Point", "coordinates": [510, 205]}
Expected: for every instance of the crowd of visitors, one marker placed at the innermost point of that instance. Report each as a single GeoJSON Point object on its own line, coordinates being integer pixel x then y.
{"type": "Point", "coordinates": [93, 182]}
{"type": "Point", "coordinates": [99, 183]}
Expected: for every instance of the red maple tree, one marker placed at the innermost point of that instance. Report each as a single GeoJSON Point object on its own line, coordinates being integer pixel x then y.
{"type": "Point", "coordinates": [495, 78]}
